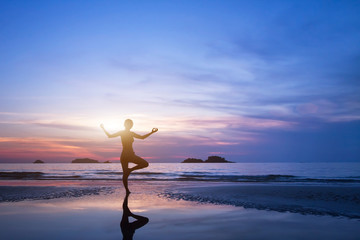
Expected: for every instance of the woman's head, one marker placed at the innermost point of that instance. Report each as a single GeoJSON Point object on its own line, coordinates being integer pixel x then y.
{"type": "Point", "coordinates": [128, 124]}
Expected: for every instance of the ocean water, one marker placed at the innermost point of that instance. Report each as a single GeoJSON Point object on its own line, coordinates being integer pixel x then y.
{"type": "Point", "coordinates": [341, 173]}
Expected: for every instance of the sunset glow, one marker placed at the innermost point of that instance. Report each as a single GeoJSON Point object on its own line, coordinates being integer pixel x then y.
{"type": "Point", "coordinates": [228, 79]}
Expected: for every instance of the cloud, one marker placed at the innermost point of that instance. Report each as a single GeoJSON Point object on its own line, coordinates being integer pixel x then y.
{"type": "Point", "coordinates": [62, 126]}
{"type": "Point", "coordinates": [227, 76]}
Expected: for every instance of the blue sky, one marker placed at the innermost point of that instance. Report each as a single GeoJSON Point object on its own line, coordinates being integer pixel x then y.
{"type": "Point", "coordinates": [248, 80]}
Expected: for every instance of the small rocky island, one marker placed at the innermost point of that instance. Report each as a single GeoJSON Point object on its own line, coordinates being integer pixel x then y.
{"type": "Point", "coordinates": [211, 159]}
{"type": "Point", "coordinates": [192, 160]}
{"type": "Point", "coordinates": [84, 160]}
{"type": "Point", "coordinates": [38, 161]}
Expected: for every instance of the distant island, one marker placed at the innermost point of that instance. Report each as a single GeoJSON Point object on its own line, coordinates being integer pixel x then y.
{"type": "Point", "coordinates": [216, 159]}
{"type": "Point", "coordinates": [84, 160]}
{"type": "Point", "coordinates": [192, 160]}
{"type": "Point", "coordinates": [211, 159]}
{"type": "Point", "coordinates": [38, 161]}
{"type": "Point", "coordinates": [87, 160]}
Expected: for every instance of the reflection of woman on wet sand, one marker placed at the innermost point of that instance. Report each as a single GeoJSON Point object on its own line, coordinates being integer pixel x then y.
{"type": "Point", "coordinates": [128, 154]}
{"type": "Point", "coordinates": [128, 228]}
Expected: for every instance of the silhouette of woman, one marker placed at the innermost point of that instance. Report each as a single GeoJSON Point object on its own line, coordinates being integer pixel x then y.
{"type": "Point", "coordinates": [128, 228]}
{"type": "Point", "coordinates": [128, 154]}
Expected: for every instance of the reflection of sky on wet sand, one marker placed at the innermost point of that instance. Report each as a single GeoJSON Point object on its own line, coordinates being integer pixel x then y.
{"type": "Point", "coordinates": [90, 217]}
{"type": "Point", "coordinates": [99, 216]}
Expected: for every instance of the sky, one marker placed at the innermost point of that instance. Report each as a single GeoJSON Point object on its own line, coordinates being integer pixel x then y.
{"type": "Point", "coordinates": [251, 81]}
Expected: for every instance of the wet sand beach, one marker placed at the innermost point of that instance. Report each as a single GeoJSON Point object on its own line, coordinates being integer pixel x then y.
{"type": "Point", "coordinates": [176, 210]}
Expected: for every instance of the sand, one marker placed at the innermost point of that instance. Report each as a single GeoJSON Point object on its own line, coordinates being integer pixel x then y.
{"type": "Point", "coordinates": [176, 210]}
{"type": "Point", "coordinates": [321, 199]}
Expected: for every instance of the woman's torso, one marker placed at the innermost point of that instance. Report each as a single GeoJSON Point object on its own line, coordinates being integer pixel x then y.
{"type": "Point", "coordinates": [127, 140]}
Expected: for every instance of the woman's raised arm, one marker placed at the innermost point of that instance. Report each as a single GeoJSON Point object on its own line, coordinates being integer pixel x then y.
{"type": "Point", "coordinates": [117, 134]}
{"type": "Point", "coordinates": [154, 130]}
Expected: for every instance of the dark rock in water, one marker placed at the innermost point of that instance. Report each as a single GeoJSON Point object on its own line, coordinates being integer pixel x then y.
{"type": "Point", "coordinates": [192, 160]}
{"type": "Point", "coordinates": [38, 161]}
{"type": "Point", "coordinates": [107, 162]}
{"type": "Point", "coordinates": [84, 160]}
{"type": "Point", "coordinates": [216, 159]}
{"type": "Point", "coordinates": [211, 159]}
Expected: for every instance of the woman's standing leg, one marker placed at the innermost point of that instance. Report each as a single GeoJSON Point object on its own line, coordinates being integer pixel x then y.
{"type": "Point", "coordinates": [126, 173]}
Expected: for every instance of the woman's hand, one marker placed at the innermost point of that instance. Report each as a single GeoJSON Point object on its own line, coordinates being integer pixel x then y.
{"type": "Point", "coordinates": [102, 126]}
{"type": "Point", "coordinates": [154, 130]}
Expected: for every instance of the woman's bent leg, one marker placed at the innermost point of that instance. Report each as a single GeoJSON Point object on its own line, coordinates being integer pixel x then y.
{"type": "Point", "coordinates": [140, 163]}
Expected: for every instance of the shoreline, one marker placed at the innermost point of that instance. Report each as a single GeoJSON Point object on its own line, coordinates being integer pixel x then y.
{"type": "Point", "coordinates": [310, 199]}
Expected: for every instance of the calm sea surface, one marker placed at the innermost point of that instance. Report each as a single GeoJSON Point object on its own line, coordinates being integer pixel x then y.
{"type": "Point", "coordinates": [222, 172]}
{"type": "Point", "coordinates": [225, 172]}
